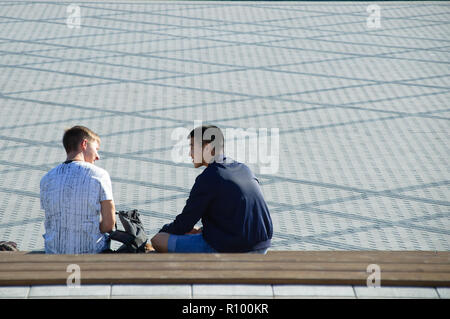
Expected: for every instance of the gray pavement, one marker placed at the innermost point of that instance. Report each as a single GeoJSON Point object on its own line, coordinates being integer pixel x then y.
{"type": "Point", "coordinates": [222, 292]}
{"type": "Point", "coordinates": [363, 113]}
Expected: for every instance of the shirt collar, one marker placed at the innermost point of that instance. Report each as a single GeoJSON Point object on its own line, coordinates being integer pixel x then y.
{"type": "Point", "coordinates": [219, 159]}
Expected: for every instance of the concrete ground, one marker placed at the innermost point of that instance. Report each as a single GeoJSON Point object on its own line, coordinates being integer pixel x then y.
{"type": "Point", "coordinates": [362, 110]}
{"type": "Point", "coordinates": [223, 292]}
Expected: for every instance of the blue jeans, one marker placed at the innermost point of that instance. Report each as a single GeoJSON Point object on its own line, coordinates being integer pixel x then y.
{"type": "Point", "coordinates": [188, 244]}
{"type": "Point", "coordinates": [195, 244]}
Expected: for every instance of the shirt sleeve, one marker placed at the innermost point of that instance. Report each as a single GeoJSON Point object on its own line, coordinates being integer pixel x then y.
{"type": "Point", "coordinates": [200, 197]}
{"type": "Point", "coordinates": [105, 187]}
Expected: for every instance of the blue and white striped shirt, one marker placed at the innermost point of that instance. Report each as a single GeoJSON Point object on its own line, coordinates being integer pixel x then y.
{"type": "Point", "coordinates": [71, 195]}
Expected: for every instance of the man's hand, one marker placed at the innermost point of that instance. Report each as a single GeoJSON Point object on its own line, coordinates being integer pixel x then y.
{"type": "Point", "coordinates": [195, 231]}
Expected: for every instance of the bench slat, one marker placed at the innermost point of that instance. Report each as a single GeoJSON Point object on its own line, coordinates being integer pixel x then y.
{"type": "Point", "coordinates": [293, 267]}
{"type": "Point", "coordinates": [400, 257]}
{"type": "Point", "coordinates": [226, 276]}
{"type": "Point", "coordinates": [224, 265]}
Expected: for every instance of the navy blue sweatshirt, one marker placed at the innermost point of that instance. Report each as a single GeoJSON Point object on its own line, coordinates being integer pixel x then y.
{"type": "Point", "coordinates": [228, 199]}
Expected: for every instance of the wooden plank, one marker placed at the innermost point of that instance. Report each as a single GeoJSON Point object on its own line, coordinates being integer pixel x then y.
{"type": "Point", "coordinates": [405, 268]}
{"type": "Point", "coordinates": [225, 276]}
{"type": "Point", "coordinates": [225, 265]}
{"type": "Point", "coordinates": [337, 253]}
{"type": "Point", "coordinates": [402, 257]}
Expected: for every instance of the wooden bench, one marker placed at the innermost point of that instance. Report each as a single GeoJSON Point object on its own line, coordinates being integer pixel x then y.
{"type": "Point", "coordinates": [405, 268]}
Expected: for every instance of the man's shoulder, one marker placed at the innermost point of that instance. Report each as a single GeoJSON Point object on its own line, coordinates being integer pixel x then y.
{"type": "Point", "coordinates": [96, 170]}
{"type": "Point", "coordinates": [76, 168]}
{"type": "Point", "coordinates": [207, 174]}
{"type": "Point", "coordinates": [50, 173]}
{"type": "Point", "coordinates": [226, 170]}
{"type": "Point", "coordinates": [230, 166]}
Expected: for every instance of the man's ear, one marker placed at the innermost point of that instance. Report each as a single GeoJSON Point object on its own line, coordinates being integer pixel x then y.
{"type": "Point", "coordinates": [84, 144]}
{"type": "Point", "coordinates": [208, 153]}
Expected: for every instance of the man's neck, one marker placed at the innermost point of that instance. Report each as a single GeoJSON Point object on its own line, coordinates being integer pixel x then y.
{"type": "Point", "coordinates": [219, 158]}
{"type": "Point", "coordinates": [75, 157]}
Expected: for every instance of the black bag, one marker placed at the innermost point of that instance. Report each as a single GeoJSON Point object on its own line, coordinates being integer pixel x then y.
{"type": "Point", "coordinates": [134, 237]}
{"type": "Point", "coordinates": [8, 246]}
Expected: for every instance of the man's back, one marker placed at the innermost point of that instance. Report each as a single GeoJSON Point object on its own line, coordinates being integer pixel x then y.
{"type": "Point", "coordinates": [228, 199]}
{"type": "Point", "coordinates": [70, 195]}
{"type": "Point", "coordinates": [238, 209]}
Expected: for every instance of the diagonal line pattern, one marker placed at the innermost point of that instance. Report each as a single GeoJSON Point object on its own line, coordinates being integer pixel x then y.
{"type": "Point", "coordinates": [417, 115]}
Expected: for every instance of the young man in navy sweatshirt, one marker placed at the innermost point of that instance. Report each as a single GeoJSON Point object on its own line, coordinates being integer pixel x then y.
{"type": "Point", "coordinates": [226, 197]}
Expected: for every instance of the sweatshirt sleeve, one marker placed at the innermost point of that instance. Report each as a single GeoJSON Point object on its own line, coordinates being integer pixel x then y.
{"type": "Point", "coordinates": [196, 206]}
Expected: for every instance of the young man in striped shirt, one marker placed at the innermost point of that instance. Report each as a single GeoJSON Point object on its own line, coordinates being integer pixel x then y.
{"type": "Point", "coordinates": [77, 198]}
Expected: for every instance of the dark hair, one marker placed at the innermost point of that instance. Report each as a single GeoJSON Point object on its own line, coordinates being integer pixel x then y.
{"type": "Point", "coordinates": [208, 133]}
{"type": "Point", "coordinates": [75, 135]}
